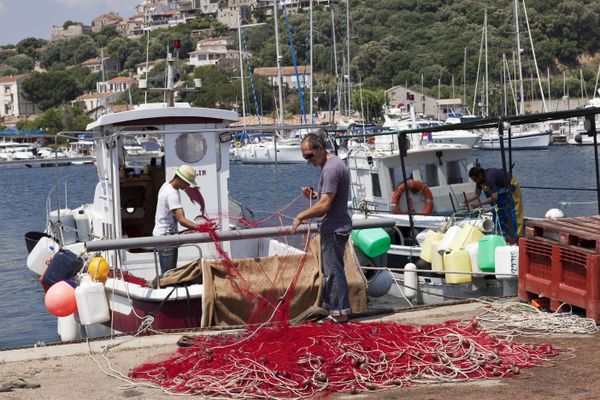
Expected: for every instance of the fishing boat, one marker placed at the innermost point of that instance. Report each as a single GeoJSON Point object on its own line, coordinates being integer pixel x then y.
{"type": "Point", "coordinates": [117, 227]}
{"type": "Point", "coordinates": [438, 182]}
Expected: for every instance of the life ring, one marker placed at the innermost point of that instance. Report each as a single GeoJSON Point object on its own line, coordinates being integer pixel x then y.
{"type": "Point", "coordinates": [416, 187]}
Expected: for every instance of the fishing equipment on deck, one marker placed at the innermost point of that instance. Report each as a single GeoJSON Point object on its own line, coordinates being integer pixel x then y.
{"type": "Point", "coordinates": [60, 299]}
{"type": "Point", "coordinates": [98, 269]}
{"type": "Point", "coordinates": [64, 265]}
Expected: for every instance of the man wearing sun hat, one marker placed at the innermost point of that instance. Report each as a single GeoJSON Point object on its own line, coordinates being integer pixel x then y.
{"type": "Point", "coordinates": [169, 212]}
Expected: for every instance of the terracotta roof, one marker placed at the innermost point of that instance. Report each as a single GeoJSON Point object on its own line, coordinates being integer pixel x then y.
{"type": "Point", "coordinates": [95, 60]}
{"type": "Point", "coordinates": [117, 79]}
{"type": "Point", "coordinates": [12, 78]}
{"type": "Point", "coordinates": [272, 71]}
{"type": "Point", "coordinates": [89, 96]}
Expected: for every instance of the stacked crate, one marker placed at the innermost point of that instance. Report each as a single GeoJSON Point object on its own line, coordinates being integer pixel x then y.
{"type": "Point", "coordinates": [560, 260]}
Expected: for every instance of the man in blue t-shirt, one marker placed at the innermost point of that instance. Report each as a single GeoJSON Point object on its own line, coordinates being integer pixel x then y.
{"type": "Point", "coordinates": [336, 225]}
{"type": "Point", "coordinates": [507, 198]}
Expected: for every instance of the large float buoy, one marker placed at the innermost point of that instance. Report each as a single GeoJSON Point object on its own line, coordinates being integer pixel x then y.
{"type": "Point", "coordinates": [98, 269]}
{"type": "Point", "coordinates": [416, 187]}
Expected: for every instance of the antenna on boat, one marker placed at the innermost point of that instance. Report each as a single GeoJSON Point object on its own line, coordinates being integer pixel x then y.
{"type": "Point", "coordinates": [170, 89]}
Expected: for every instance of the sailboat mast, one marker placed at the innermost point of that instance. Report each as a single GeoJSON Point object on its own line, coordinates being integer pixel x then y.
{"type": "Point", "coordinates": [487, 82]}
{"type": "Point", "coordinates": [348, 54]}
{"type": "Point", "coordinates": [241, 67]}
{"type": "Point", "coordinates": [312, 118]}
{"type": "Point", "coordinates": [335, 63]}
{"type": "Point", "coordinates": [278, 55]}
{"type": "Point", "coordinates": [521, 94]}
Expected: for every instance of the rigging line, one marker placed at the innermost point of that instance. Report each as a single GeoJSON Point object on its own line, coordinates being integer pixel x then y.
{"type": "Point", "coordinates": [294, 61]}
{"type": "Point", "coordinates": [251, 76]}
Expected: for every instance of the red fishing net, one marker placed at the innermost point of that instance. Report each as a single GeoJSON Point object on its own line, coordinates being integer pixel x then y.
{"type": "Point", "coordinates": [301, 361]}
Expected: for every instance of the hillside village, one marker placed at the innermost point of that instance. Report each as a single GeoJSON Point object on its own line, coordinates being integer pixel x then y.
{"type": "Point", "coordinates": [124, 52]}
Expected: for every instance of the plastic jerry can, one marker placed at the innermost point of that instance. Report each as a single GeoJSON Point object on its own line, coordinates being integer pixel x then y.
{"type": "Point", "coordinates": [427, 248]}
{"type": "Point", "coordinates": [43, 251]}
{"type": "Point", "coordinates": [507, 261]}
{"type": "Point", "coordinates": [91, 302]}
{"type": "Point", "coordinates": [458, 261]}
{"type": "Point", "coordinates": [473, 250]}
{"type": "Point", "coordinates": [437, 259]}
{"type": "Point", "coordinates": [448, 238]}
{"type": "Point", "coordinates": [487, 252]}
{"type": "Point", "coordinates": [373, 242]}
{"type": "Point", "coordinates": [467, 235]}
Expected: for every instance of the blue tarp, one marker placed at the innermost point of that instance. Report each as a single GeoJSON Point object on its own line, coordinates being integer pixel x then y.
{"type": "Point", "coordinates": [15, 131]}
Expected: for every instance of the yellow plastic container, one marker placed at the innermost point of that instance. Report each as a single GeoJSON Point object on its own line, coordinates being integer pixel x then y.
{"type": "Point", "coordinates": [457, 261]}
{"type": "Point", "coordinates": [437, 260]}
{"type": "Point", "coordinates": [467, 235]}
{"type": "Point", "coordinates": [427, 249]}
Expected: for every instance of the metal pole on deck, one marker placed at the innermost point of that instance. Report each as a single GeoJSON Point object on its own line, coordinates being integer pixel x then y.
{"type": "Point", "coordinates": [402, 148]}
{"type": "Point", "coordinates": [594, 133]}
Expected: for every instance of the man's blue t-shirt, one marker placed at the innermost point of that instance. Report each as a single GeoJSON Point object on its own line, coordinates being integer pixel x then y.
{"type": "Point", "coordinates": [335, 178]}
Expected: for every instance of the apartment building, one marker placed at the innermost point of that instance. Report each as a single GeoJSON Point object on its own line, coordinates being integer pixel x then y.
{"type": "Point", "coordinates": [13, 106]}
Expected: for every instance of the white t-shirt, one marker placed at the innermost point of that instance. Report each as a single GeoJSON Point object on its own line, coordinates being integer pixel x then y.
{"type": "Point", "coordinates": [165, 222]}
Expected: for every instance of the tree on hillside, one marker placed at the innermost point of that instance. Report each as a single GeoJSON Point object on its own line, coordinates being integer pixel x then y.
{"type": "Point", "coordinates": [21, 63]}
{"type": "Point", "coordinates": [126, 52]}
{"type": "Point", "coordinates": [29, 47]}
{"type": "Point", "coordinates": [50, 89]}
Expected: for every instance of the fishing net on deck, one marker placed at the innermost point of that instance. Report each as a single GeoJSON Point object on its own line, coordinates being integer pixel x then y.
{"type": "Point", "coordinates": [284, 361]}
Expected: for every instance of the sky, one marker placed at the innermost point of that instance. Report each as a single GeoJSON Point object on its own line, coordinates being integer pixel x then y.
{"type": "Point", "coordinates": [20, 19]}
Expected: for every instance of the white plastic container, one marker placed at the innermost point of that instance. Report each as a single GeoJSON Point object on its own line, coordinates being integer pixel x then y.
{"type": "Point", "coordinates": [82, 223]}
{"type": "Point", "coordinates": [43, 251]}
{"type": "Point", "coordinates": [67, 221]}
{"type": "Point", "coordinates": [91, 302]}
{"type": "Point", "coordinates": [507, 261]}
{"type": "Point", "coordinates": [68, 328]}
{"type": "Point", "coordinates": [448, 238]}
{"type": "Point", "coordinates": [473, 250]}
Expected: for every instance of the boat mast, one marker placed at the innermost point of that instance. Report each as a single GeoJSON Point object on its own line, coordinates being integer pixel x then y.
{"type": "Point", "coordinates": [335, 62]}
{"type": "Point", "coordinates": [348, 56]}
{"type": "Point", "coordinates": [241, 67]}
{"type": "Point", "coordinates": [537, 70]}
{"type": "Point", "coordinates": [521, 94]}
{"type": "Point", "coordinates": [487, 81]}
{"type": "Point", "coordinates": [278, 54]}
{"type": "Point", "coordinates": [312, 118]}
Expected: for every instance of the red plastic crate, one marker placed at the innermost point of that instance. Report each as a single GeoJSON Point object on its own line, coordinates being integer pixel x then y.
{"type": "Point", "coordinates": [577, 280]}
{"type": "Point", "coordinates": [564, 274]}
{"type": "Point", "coordinates": [535, 268]}
{"type": "Point", "coordinates": [582, 232]}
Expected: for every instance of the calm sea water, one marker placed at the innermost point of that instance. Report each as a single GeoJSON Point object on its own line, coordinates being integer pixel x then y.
{"type": "Point", "coordinates": [24, 192]}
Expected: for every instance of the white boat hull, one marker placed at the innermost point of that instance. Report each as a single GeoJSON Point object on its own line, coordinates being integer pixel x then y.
{"type": "Point", "coordinates": [528, 140]}
{"type": "Point", "coordinates": [266, 154]}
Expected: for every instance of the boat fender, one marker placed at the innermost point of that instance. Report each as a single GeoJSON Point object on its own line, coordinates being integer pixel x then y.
{"type": "Point", "coordinates": [415, 186]}
{"type": "Point", "coordinates": [380, 284]}
{"type": "Point", "coordinates": [410, 281]}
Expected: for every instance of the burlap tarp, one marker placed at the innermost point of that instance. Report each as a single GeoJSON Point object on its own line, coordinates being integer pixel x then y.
{"type": "Point", "coordinates": [225, 305]}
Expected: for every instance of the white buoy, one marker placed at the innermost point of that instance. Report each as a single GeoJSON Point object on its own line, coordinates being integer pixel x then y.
{"type": "Point", "coordinates": [410, 281]}
{"type": "Point", "coordinates": [554, 213]}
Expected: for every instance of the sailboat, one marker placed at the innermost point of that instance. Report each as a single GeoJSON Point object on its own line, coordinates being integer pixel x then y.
{"type": "Point", "coordinates": [523, 137]}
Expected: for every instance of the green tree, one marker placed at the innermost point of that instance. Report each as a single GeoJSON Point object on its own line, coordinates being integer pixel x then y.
{"type": "Point", "coordinates": [21, 63]}
{"type": "Point", "coordinates": [29, 47]}
{"type": "Point", "coordinates": [50, 89]}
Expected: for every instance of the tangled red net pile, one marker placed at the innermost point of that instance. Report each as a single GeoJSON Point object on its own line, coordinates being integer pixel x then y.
{"type": "Point", "coordinates": [301, 361]}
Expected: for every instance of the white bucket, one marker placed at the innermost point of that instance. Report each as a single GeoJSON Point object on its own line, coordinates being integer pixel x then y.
{"type": "Point", "coordinates": [506, 259]}
{"type": "Point", "coordinates": [448, 238]}
{"type": "Point", "coordinates": [68, 329]}
{"type": "Point", "coordinates": [91, 302]}
{"type": "Point", "coordinates": [67, 221]}
{"type": "Point", "coordinates": [43, 251]}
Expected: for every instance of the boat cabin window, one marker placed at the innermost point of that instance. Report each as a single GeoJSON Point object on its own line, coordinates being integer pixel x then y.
{"type": "Point", "coordinates": [396, 174]}
{"type": "Point", "coordinates": [429, 174]}
{"type": "Point", "coordinates": [456, 172]}
{"type": "Point", "coordinates": [376, 185]}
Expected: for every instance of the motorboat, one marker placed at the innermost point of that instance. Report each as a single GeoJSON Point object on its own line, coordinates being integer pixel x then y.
{"type": "Point", "coordinates": [524, 138]}
{"type": "Point", "coordinates": [402, 122]}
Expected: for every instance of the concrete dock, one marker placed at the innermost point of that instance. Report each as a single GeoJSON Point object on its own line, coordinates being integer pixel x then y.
{"type": "Point", "coordinates": [84, 370]}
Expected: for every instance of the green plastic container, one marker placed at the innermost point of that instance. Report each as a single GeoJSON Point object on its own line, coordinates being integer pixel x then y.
{"type": "Point", "coordinates": [373, 242]}
{"type": "Point", "coordinates": [487, 252]}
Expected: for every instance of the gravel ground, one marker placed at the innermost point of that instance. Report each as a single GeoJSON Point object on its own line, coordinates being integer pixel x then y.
{"type": "Point", "coordinates": [66, 371]}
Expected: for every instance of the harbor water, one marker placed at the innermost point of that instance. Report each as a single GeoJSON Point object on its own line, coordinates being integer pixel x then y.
{"type": "Point", "coordinates": [24, 193]}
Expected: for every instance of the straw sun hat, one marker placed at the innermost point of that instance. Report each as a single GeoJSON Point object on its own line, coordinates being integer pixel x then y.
{"type": "Point", "coordinates": [186, 173]}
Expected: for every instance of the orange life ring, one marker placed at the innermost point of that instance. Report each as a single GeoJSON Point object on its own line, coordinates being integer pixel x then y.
{"type": "Point", "coordinates": [416, 187]}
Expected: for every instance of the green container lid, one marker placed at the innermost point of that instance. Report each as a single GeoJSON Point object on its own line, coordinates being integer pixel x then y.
{"type": "Point", "coordinates": [373, 242]}
{"type": "Point", "coordinates": [487, 252]}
